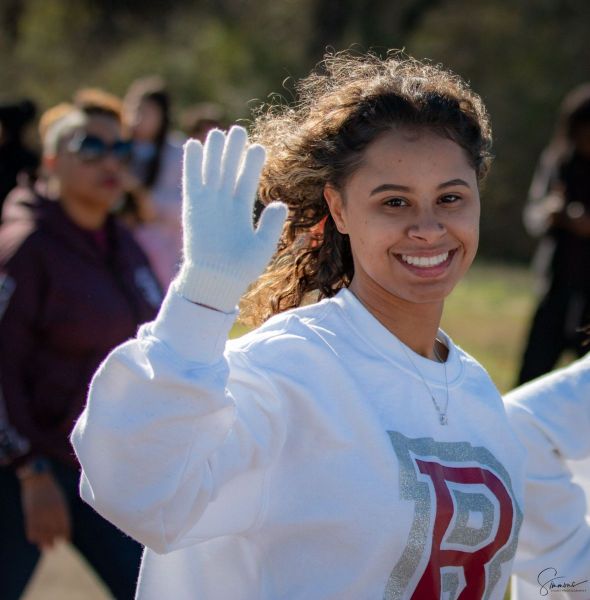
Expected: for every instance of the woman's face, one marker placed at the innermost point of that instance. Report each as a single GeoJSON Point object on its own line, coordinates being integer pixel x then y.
{"type": "Point", "coordinates": [92, 181]}
{"type": "Point", "coordinates": [411, 211]}
{"type": "Point", "coordinates": [145, 120]}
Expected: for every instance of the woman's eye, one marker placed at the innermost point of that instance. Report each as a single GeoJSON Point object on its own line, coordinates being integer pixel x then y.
{"type": "Point", "coordinates": [395, 202]}
{"type": "Point", "coordinates": [450, 199]}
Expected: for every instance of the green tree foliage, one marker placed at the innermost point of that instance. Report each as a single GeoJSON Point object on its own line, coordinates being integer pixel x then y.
{"type": "Point", "coordinates": [521, 55]}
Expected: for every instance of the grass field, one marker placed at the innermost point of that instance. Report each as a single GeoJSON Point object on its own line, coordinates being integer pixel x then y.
{"type": "Point", "coordinates": [487, 315]}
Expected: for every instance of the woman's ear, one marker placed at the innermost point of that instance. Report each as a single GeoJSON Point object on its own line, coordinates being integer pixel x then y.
{"type": "Point", "coordinates": [335, 203]}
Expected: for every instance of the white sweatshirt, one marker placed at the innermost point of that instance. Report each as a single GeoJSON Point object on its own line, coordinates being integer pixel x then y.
{"type": "Point", "coordinates": [552, 417]}
{"type": "Point", "coordinates": [306, 462]}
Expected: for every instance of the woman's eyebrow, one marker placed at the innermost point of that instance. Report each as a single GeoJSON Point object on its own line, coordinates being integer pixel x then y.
{"type": "Point", "coordinates": [390, 187]}
{"type": "Point", "coordinates": [395, 187]}
{"type": "Point", "coordinates": [453, 182]}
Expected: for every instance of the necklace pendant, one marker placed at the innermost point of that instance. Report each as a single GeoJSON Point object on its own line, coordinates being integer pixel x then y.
{"type": "Point", "coordinates": [443, 419]}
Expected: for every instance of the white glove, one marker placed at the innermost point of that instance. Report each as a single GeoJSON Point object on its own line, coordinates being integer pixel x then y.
{"type": "Point", "coordinates": [223, 253]}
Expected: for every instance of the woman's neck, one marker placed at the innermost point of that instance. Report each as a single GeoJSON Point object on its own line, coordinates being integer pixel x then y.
{"type": "Point", "coordinates": [415, 324]}
{"type": "Point", "coordinates": [85, 215]}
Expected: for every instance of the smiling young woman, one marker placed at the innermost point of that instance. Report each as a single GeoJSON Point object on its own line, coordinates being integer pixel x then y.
{"type": "Point", "coordinates": [411, 213]}
{"type": "Point", "coordinates": [345, 449]}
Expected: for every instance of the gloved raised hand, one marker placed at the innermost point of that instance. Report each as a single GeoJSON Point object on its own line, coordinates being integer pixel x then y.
{"type": "Point", "coordinates": [223, 253]}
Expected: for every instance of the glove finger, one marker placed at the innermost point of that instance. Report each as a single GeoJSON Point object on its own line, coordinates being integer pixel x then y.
{"type": "Point", "coordinates": [212, 153]}
{"type": "Point", "coordinates": [232, 156]}
{"type": "Point", "coordinates": [248, 180]}
{"type": "Point", "coordinates": [192, 166]}
{"type": "Point", "coordinates": [271, 224]}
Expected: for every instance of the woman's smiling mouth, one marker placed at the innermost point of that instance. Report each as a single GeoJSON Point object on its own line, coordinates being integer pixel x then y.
{"type": "Point", "coordinates": [427, 266]}
{"type": "Point", "coordinates": [425, 261]}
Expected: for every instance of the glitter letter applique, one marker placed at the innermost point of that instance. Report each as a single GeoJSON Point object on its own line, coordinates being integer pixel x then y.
{"type": "Point", "coordinates": [466, 521]}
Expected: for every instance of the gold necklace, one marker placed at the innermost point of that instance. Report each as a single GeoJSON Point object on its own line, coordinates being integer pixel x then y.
{"type": "Point", "coordinates": [442, 412]}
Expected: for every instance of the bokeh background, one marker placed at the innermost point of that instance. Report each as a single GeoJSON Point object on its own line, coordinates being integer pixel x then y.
{"type": "Point", "coordinates": [522, 56]}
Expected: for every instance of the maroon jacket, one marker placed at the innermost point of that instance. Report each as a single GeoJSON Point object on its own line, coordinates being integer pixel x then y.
{"type": "Point", "coordinates": [66, 300]}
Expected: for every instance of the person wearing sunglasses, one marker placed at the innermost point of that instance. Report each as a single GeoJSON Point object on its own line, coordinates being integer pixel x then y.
{"type": "Point", "coordinates": [91, 148]}
{"type": "Point", "coordinates": [73, 285]}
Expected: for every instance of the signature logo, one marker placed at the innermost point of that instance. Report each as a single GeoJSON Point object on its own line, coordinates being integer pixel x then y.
{"type": "Point", "coordinates": [551, 581]}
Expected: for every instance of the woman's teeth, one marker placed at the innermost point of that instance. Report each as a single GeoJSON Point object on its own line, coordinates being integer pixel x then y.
{"type": "Point", "coordinates": [425, 261]}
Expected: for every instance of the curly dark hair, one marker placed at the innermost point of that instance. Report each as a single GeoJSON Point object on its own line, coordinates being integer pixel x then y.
{"type": "Point", "coordinates": [341, 108]}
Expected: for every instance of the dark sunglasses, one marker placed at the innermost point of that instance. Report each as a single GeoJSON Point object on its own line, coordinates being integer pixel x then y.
{"type": "Point", "coordinates": [90, 148]}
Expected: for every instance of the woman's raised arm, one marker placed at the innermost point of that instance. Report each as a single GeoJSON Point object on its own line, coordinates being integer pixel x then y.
{"type": "Point", "coordinates": [159, 438]}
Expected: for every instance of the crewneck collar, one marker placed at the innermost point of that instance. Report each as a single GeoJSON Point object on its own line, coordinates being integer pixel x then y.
{"type": "Point", "coordinates": [391, 348]}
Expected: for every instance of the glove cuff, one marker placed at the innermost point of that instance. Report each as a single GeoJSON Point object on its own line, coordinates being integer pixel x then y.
{"type": "Point", "coordinates": [219, 287]}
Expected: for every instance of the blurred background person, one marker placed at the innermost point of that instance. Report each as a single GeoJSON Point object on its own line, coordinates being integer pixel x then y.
{"type": "Point", "coordinates": [558, 211]}
{"type": "Point", "coordinates": [18, 162]}
{"type": "Point", "coordinates": [75, 284]}
{"type": "Point", "coordinates": [154, 194]}
{"type": "Point", "coordinates": [198, 120]}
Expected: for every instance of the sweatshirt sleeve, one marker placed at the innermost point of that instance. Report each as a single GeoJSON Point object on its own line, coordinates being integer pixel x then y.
{"type": "Point", "coordinates": [552, 418]}
{"type": "Point", "coordinates": [167, 454]}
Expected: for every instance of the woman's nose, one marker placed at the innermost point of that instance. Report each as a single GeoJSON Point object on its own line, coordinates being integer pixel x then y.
{"type": "Point", "coordinates": [427, 227]}
{"type": "Point", "coordinates": [112, 162]}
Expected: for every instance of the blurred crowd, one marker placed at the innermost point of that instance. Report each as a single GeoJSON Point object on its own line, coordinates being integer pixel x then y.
{"type": "Point", "coordinates": [150, 198]}
{"type": "Point", "coordinates": [89, 241]}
